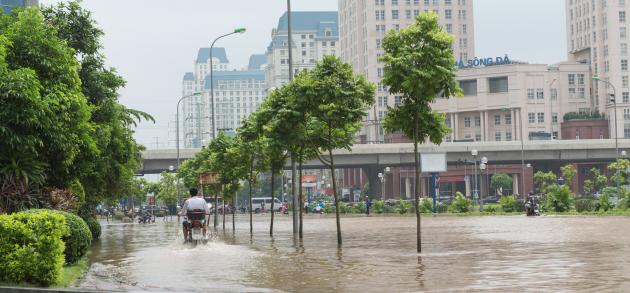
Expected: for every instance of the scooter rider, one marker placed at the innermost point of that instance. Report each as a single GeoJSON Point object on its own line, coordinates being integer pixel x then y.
{"type": "Point", "coordinates": [195, 202]}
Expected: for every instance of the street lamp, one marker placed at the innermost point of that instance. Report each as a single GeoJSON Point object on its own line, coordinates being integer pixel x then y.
{"type": "Point", "coordinates": [474, 153]}
{"type": "Point", "coordinates": [236, 31]}
{"type": "Point", "coordinates": [551, 98]}
{"type": "Point", "coordinates": [179, 196]}
{"type": "Point", "coordinates": [482, 167]}
{"type": "Point", "coordinates": [613, 99]}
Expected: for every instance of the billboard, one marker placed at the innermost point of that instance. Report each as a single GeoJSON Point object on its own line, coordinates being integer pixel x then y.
{"type": "Point", "coordinates": [433, 163]}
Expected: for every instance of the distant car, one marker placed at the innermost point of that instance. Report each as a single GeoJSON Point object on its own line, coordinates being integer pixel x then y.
{"type": "Point", "coordinates": [391, 202]}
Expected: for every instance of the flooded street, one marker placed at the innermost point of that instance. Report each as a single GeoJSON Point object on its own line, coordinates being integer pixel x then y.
{"type": "Point", "coordinates": [459, 253]}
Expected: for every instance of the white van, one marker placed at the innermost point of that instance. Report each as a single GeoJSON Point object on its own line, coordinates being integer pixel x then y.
{"type": "Point", "coordinates": [257, 204]}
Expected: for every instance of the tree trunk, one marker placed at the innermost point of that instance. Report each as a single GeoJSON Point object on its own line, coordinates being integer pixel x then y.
{"type": "Point", "coordinates": [417, 190]}
{"type": "Point", "coordinates": [251, 223]}
{"type": "Point", "coordinates": [300, 198]}
{"type": "Point", "coordinates": [293, 197]}
{"type": "Point", "coordinates": [334, 185]}
{"type": "Point", "coordinates": [234, 213]}
{"type": "Point", "coordinates": [223, 209]}
{"type": "Point", "coordinates": [273, 185]}
{"type": "Point", "coordinates": [216, 209]}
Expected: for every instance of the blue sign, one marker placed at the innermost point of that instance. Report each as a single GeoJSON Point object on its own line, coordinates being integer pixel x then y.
{"type": "Point", "coordinates": [478, 62]}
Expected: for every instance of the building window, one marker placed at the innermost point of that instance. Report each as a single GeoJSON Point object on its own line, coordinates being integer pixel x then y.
{"type": "Point", "coordinates": [498, 84]}
{"type": "Point", "coordinates": [508, 136]}
{"type": "Point", "coordinates": [622, 32]}
{"type": "Point", "coordinates": [580, 79]}
{"type": "Point", "coordinates": [397, 100]}
{"type": "Point", "coordinates": [571, 79]}
{"type": "Point", "coordinates": [622, 16]}
{"type": "Point", "coordinates": [394, 2]}
{"type": "Point", "coordinates": [497, 136]}
{"type": "Point", "coordinates": [624, 64]}
{"type": "Point", "coordinates": [497, 119]}
{"type": "Point", "coordinates": [626, 131]}
{"type": "Point", "coordinates": [626, 114]}
{"type": "Point", "coordinates": [380, 15]}
{"type": "Point", "coordinates": [531, 118]}
{"type": "Point", "coordinates": [408, 14]}
{"type": "Point", "coordinates": [448, 14]}
{"type": "Point", "coordinates": [540, 94]}
{"type": "Point", "coordinates": [530, 94]}
{"type": "Point", "coordinates": [554, 118]}
{"type": "Point", "coordinates": [477, 121]}
{"type": "Point", "coordinates": [467, 122]}
{"type": "Point", "coordinates": [625, 97]}
{"type": "Point", "coordinates": [394, 14]}
{"type": "Point", "coordinates": [541, 117]}
{"type": "Point", "coordinates": [581, 93]}
{"type": "Point", "coordinates": [508, 119]}
{"type": "Point", "coordinates": [554, 94]}
{"type": "Point", "coordinates": [449, 28]}
{"type": "Point", "coordinates": [478, 137]}
{"type": "Point", "coordinates": [469, 87]}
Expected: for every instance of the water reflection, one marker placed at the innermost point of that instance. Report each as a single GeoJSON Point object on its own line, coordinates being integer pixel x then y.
{"type": "Point", "coordinates": [467, 254]}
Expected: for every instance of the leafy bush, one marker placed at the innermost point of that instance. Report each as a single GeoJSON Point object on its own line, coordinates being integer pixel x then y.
{"type": "Point", "coordinates": [94, 226]}
{"type": "Point", "coordinates": [586, 205]}
{"type": "Point", "coordinates": [387, 209]}
{"type": "Point", "coordinates": [426, 205]}
{"type": "Point", "coordinates": [623, 204]}
{"type": "Point", "coordinates": [510, 204]}
{"type": "Point", "coordinates": [344, 208]}
{"type": "Point", "coordinates": [78, 240]}
{"type": "Point", "coordinates": [31, 249]}
{"type": "Point", "coordinates": [403, 207]}
{"type": "Point", "coordinates": [379, 206]}
{"type": "Point", "coordinates": [329, 209]}
{"type": "Point", "coordinates": [460, 204]}
{"type": "Point", "coordinates": [492, 208]}
{"type": "Point", "coordinates": [359, 208]}
{"type": "Point", "coordinates": [558, 198]}
{"type": "Point", "coordinates": [605, 203]}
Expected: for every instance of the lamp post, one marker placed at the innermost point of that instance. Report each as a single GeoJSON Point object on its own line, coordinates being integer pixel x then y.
{"type": "Point", "coordinates": [179, 196]}
{"type": "Point", "coordinates": [474, 153]}
{"type": "Point", "coordinates": [383, 180]}
{"type": "Point", "coordinates": [482, 167]}
{"type": "Point", "coordinates": [520, 118]}
{"type": "Point", "coordinates": [613, 99]}
{"type": "Point", "coordinates": [236, 31]}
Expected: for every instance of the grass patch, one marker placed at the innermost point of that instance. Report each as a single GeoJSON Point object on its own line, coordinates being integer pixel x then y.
{"type": "Point", "coordinates": [70, 274]}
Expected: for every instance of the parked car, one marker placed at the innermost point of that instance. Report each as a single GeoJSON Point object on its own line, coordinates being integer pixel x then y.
{"type": "Point", "coordinates": [258, 202]}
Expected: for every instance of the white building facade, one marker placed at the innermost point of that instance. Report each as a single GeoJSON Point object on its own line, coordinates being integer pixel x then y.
{"type": "Point", "coordinates": [364, 23]}
{"type": "Point", "coordinates": [314, 35]}
{"type": "Point", "coordinates": [597, 34]}
{"type": "Point", "coordinates": [195, 114]}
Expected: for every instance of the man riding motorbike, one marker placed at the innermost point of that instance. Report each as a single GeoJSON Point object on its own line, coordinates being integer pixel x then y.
{"type": "Point", "coordinates": [195, 203]}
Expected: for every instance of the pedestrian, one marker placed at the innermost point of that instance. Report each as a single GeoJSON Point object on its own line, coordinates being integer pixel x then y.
{"type": "Point", "coordinates": [306, 206]}
{"type": "Point", "coordinates": [368, 204]}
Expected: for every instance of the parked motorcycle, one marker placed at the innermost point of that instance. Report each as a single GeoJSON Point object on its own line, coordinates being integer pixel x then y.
{"type": "Point", "coordinates": [145, 217]}
{"type": "Point", "coordinates": [531, 207]}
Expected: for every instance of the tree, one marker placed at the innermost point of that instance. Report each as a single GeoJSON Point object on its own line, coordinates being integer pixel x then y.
{"type": "Point", "coordinates": [501, 181]}
{"type": "Point", "coordinates": [619, 170]}
{"type": "Point", "coordinates": [167, 189]}
{"type": "Point", "coordinates": [542, 180]}
{"type": "Point", "coordinates": [341, 101]}
{"type": "Point", "coordinates": [250, 145]}
{"type": "Point", "coordinates": [568, 173]}
{"type": "Point", "coordinates": [44, 117]}
{"type": "Point", "coordinates": [420, 66]}
{"type": "Point", "coordinates": [558, 198]}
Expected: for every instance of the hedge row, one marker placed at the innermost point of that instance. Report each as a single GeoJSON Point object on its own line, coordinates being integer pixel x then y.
{"type": "Point", "coordinates": [34, 245]}
{"type": "Point", "coordinates": [31, 249]}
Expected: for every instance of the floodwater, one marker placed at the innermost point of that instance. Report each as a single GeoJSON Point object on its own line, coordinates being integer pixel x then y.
{"type": "Point", "coordinates": [478, 254]}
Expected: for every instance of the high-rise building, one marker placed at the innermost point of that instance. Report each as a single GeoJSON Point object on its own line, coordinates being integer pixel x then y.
{"type": "Point", "coordinates": [237, 94]}
{"type": "Point", "coordinates": [314, 35]}
{"type": "Point", "coordinates": [195, 117]}
{"type": "Point", "coordinates": [6, 5]}
{"type": "Point", "coordinates": [363, 25]}
{"type": "Point", "coordinates": [597, 34]}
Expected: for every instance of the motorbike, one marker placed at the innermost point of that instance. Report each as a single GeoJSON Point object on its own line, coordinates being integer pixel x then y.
{"type": "Point", "coordinates": [531, 207]}
{"type": "Point", "coordinates": [195, 234]}
{"type": "Point", "coordinates": [144, 217]}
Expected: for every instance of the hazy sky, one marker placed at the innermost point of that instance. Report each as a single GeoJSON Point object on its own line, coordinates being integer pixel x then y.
{"type": "Point", "coordinates": [153, 42]}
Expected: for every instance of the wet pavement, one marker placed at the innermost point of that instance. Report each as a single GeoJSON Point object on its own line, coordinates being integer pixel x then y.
{"type": "Point", "coordinates": [484, 254]}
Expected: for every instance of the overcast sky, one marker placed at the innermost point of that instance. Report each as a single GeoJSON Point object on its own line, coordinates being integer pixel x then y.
{"type": "Point", "coordinates": [153, 42]}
